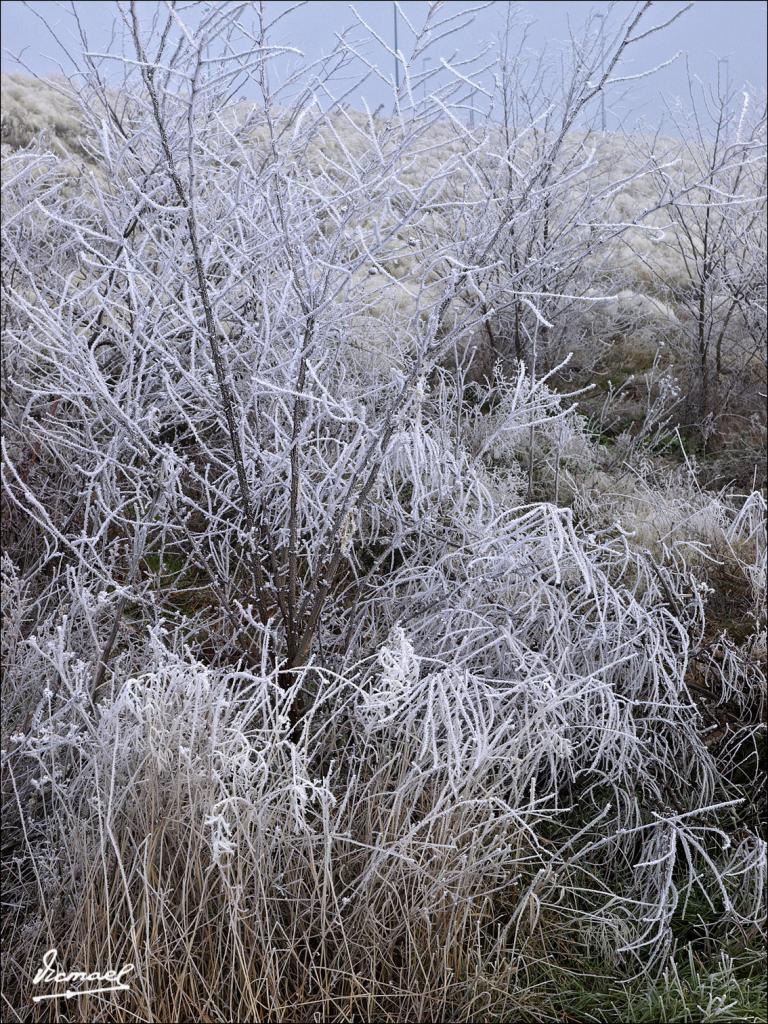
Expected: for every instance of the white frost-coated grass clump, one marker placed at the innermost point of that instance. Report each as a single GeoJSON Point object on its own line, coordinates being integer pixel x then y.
{"type": "Point", "coordinates": [718, 550]}
{"type": "Point", "coordinates": [673, 519]}
{"type": "Point", "coordinates": [516, 777]}
{"type": "Point", "coordinates": [426, 809]}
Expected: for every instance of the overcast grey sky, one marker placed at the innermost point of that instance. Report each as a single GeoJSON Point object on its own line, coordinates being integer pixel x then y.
{"type": "Point", "coordinates": [712, 29]}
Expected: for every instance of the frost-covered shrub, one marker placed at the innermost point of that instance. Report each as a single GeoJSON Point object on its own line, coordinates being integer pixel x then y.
{"type": "Point", "coordinates": [333, 690]}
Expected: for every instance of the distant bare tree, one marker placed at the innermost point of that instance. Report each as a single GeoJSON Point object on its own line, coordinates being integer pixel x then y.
{"type": "Point", "coordinates": [716, 200]}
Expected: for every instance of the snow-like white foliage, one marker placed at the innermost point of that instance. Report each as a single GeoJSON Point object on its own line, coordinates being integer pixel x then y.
{"type": "Point", "coordinates": [35, 106]}
{"type": "Point", "coordinates": [337, 674]}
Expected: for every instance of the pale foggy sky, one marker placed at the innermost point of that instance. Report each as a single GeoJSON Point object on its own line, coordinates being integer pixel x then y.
{"type": "Point", "coordinates": [732, 29]}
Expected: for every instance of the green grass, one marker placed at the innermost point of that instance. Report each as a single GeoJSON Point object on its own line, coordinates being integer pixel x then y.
{"type": "Point", "coordinates": [691, 989]}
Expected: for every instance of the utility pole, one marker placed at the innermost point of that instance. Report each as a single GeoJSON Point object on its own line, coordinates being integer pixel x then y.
{"type": "Point", "coordinates": [397, 62]}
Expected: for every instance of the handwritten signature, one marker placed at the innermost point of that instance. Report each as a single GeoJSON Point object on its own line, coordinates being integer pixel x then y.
{"type": "Point", "coordinates": [102, 981]}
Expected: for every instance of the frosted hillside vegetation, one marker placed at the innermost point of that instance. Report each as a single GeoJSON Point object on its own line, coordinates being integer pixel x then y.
{"type": "Point", "coordinates": [384, 565]}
